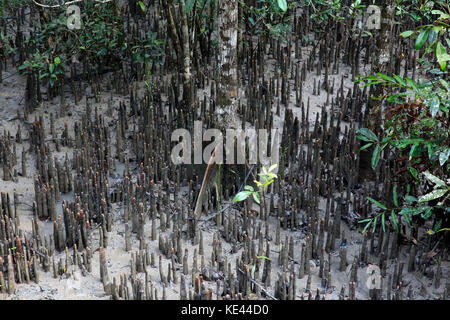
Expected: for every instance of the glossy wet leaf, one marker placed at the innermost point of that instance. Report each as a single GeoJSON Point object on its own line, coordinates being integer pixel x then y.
{"type": "Point", "coordinates": [434, 179]}
{"type": "Point", "coordinates": [420, 41]}
{"type": "Point", "coordinates": [435, 194]}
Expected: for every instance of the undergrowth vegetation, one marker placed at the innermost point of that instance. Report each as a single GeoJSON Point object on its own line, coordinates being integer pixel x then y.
{"type": "Point", "coordinates": [416, 130]}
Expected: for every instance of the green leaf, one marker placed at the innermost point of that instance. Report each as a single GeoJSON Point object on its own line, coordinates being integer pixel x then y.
{"type": "Point", "coordinates": [241, 196]}
{"type": "Point", "coordinates": [377, 203]}
{"type": "Point", "coordinates": [283, 5]}
{"type": "Point", "coordinates": [434, 106]}
{"type": "Point", "coordinates": [383, 222]}
{"type": "Point", "coordinates": [443, 156]}
{"type": "Point", "coordinates": [253, 270]}
{"type": "Point", "coordinates": [386, 77]}
{"type": "Point", "coordinates": [434, 179]}
{"type": "Point", "coordinates": [406, 34]}
{"type": "Point", "coordinates": [57, 60]}
{"type": "Point", "coordinates": [395, 195]}
{"type": "Point", "coordinates": [375, 156]}
{"type": "Point", "coordinates": [272, 167]}
{"type": "Point", "coordinates": [249, 188]}
{"type": "Point", "coordinates": [413, 172]}
{"type": "Point", "coordinates": [367, 225]}
{"type": "Point", "coordinates": [256, 197]}
{"type": "Point", "coordinates": [427, 213]}
{"type": "Point", "coordinates": [430, 150]}
{"type": "Point", "coordinates": [413, 148]}
{"type": "Point", "coordinates": [421, 39]}
{"type": "Point", "coordinates": [365, 146]}
{"type": "Point", "coordinates": [142, 5]}
{"type": "Point", "coordinates": [51, 67]}
{"type": "Point", "coordinates": [262, 257]}
{"type": "Point", "coordinates": [374, 224]}
{"type": "Point", "coordinates": [411, 83]}
{"type": "Point", "coordinates": [394, 220]}
{"type": "Point", "coordinates": [413, 211]}
{"type": "Point", "coordinates": [441, 54]}
{"type": "Point", "coordinates": [410, 199]}
{"type": "Point", "coordinates": [407, 220]}
{"type": "Point", "coordinates": [437, 226]}
{"type": "Point", "coordinates": [433, 195]}
{"type": "Point", "coordinates": [399, 80]}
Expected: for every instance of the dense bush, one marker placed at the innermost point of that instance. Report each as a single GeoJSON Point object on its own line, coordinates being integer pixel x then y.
{"type": "Point", "coordinates": [416, 131]}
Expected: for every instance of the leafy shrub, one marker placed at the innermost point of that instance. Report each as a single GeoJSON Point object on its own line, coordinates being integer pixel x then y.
{"type": "Point", "coordinates": [416, 133]}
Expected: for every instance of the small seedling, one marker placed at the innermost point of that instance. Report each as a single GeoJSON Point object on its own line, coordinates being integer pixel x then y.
{"type": "Point", "coordinates": [267, 178]}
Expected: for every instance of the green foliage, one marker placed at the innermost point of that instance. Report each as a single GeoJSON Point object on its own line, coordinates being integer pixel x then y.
{"type": "Point", "coordinates": [440, 191]}
{"type": "Point", "coordinates": [267, 177]}
{"type": "Point", "coordinates": [101, 42]}
{"type": "Point", "coordinates": [416, 129]}
{"type": "Point", "coordinates": [325, 12]}
{"type": "Point", "coordinates": [269, 16]}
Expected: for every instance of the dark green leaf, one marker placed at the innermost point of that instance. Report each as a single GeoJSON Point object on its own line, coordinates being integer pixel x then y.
{"type": "Point", "coordinates": [365, 146]}
{"type": "Point", "coordinates": [377, 203]}
{"type": "Point", "coordinates": [414, 172]}
{"type": "Point", "coordinates": [421, 39]}
{"type": "Point", "coordinates": [437, 226]}
{"type": "Point", "coordinates": [427, 213]}
{"type": "Point", "coordinates": [395, 195]}
{"type": "Point", "coordinates": [407, 220]}
{"type": "Point", "coordinates": [394, 220]}
{"type": "Point", "coordinates": [413, 148]}
{"type": "Point", "coordinates": [375, 156]}
{"type": "Point", "coordinates": [410, 199]}
{"type": "Point", "coordinates": [368, 134]}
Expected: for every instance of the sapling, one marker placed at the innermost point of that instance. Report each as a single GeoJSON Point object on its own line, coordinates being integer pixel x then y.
{"type": "Point", "coordinates": [267, 177]}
